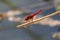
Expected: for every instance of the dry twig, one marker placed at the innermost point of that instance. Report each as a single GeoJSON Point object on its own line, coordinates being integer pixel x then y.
{"type": "Point", "coordinates": [39, 19]}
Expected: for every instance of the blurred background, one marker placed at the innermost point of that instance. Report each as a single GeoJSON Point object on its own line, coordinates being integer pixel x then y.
{"type": "Point", "coordinates": [13, 12]}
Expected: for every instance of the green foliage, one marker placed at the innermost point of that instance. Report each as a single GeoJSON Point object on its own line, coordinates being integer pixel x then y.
{"type": "Point", "coordinates": [11, 5]}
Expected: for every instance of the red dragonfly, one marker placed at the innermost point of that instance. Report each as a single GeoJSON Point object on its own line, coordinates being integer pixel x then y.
{"type": "Point", "coordinates": [29, 17]}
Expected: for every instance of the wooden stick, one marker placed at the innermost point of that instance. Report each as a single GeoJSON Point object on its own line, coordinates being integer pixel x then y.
{"type": "Point", "coordinates": [39, 19]}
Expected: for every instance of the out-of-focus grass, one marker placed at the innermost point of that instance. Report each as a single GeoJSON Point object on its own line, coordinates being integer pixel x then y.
{"type": "Point", "coordinates": [32, 34]}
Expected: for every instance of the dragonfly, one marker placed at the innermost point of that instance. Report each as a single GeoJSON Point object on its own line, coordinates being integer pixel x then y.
{"type": "Point", "coordinates": [30, 17]}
